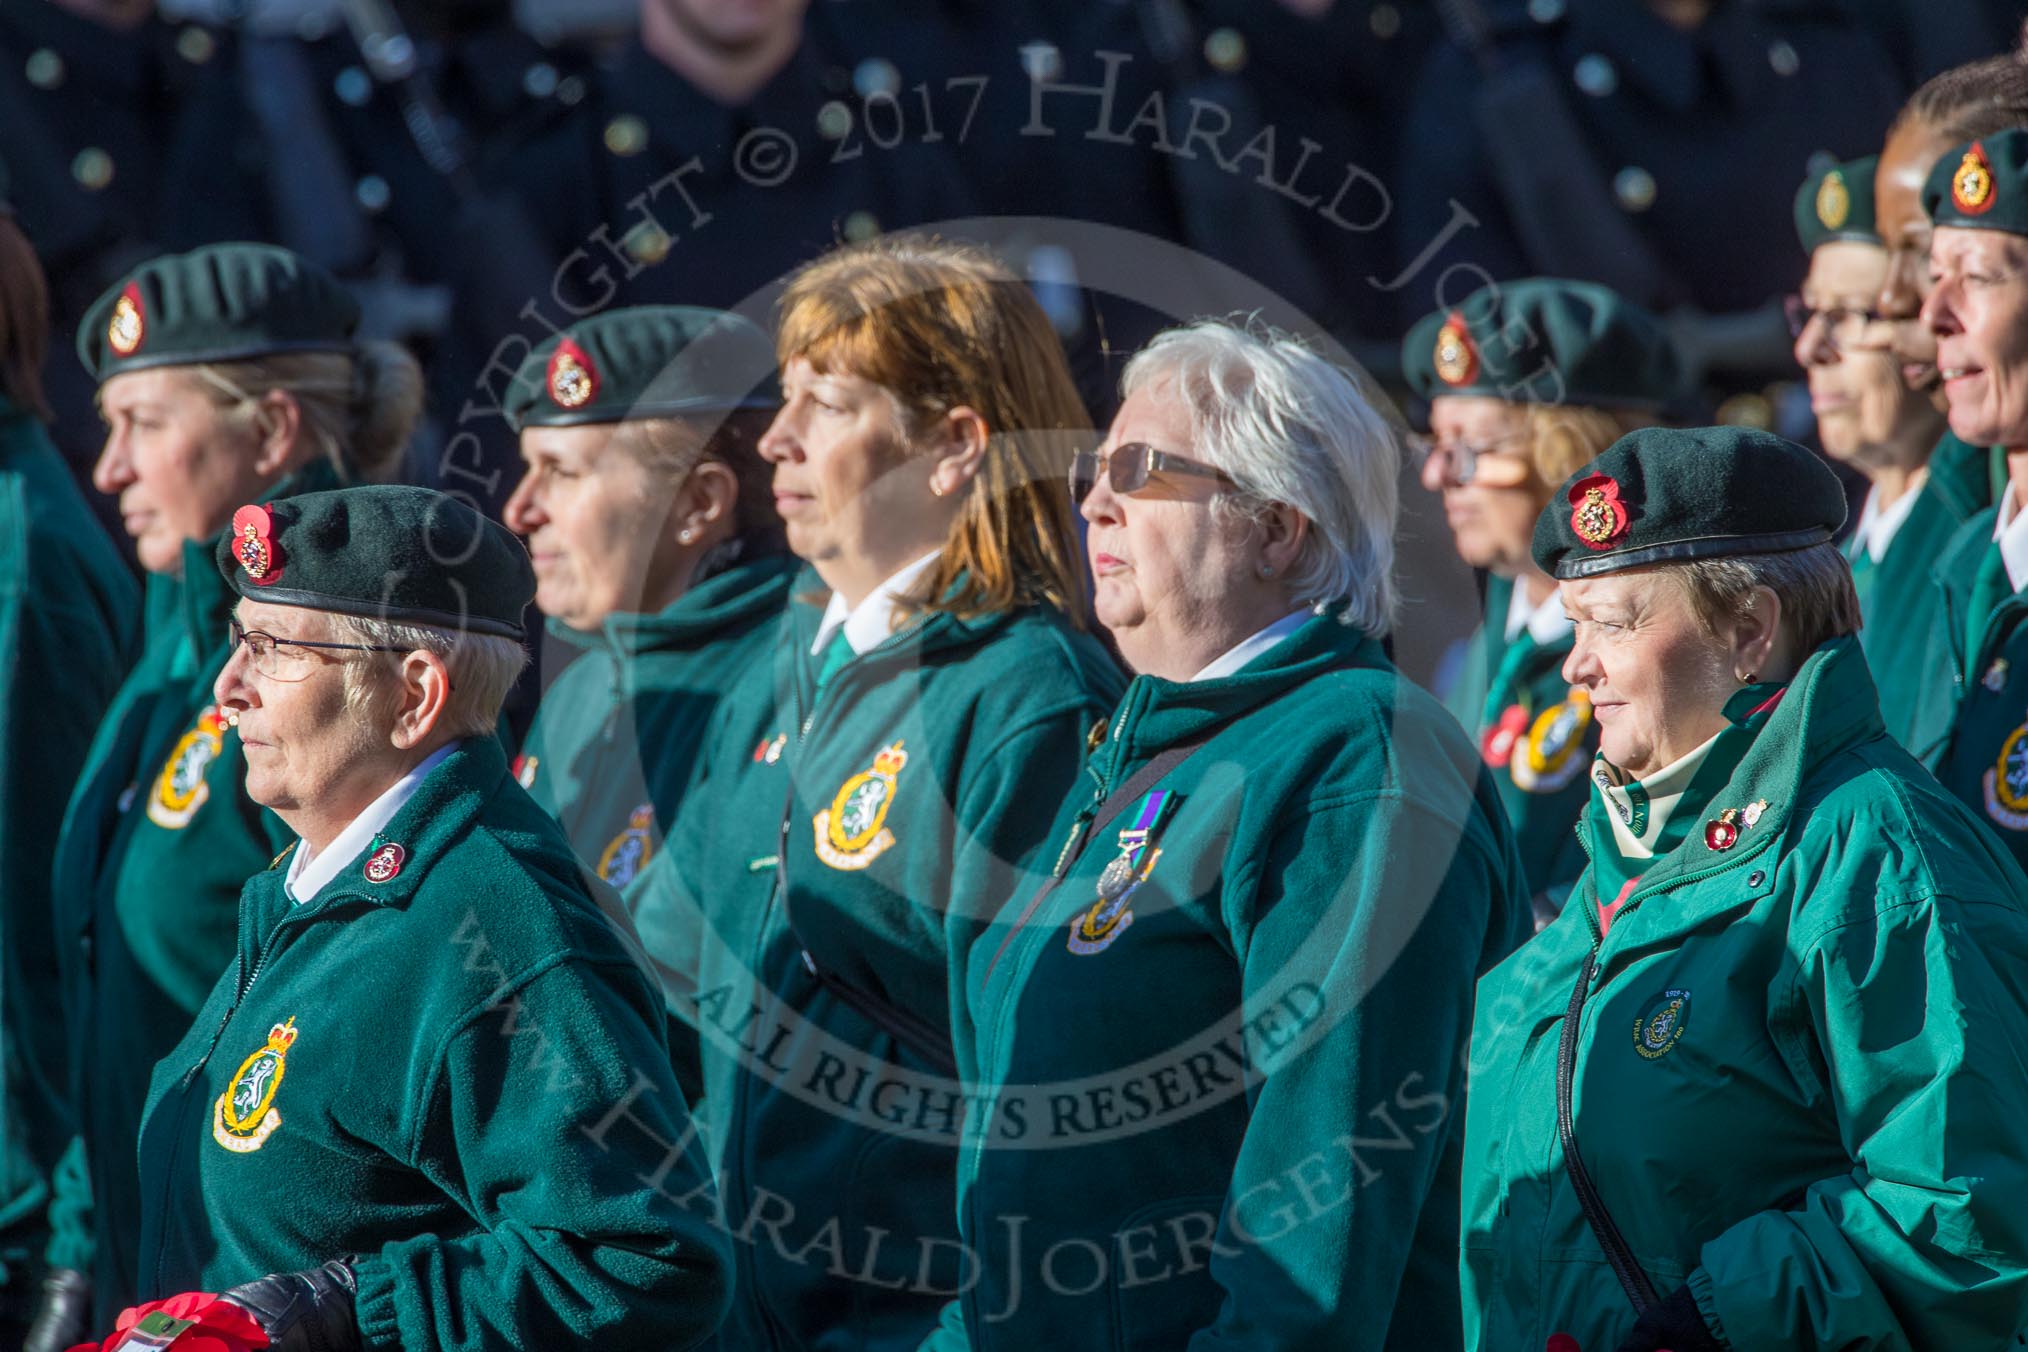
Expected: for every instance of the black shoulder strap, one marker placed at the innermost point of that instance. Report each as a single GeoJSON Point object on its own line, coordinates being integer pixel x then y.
{"type": "Point", "coordinates": [1640, 1291]}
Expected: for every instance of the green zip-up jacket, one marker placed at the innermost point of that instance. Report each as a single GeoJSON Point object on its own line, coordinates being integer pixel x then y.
{"type": "Point", "coordinates": [1536, 733]}
{"type": "Point", "coordinates": [157, 841]}
{"type": "Point", "coordinates": [616, 737]}
{"type": "Point", "coordinates": [872, 824]}
{"type": "Point", "coordinates": [452, 1066]}
{"type": "Point", "coordinates": [1799, 1072]}
{"type": "Point", "coordinates": [1984, 757]}
{"type": "Point", "coordinates": [1904, 635]}
{"type": "Point", "coordinates": [1219, 1108]}
{"type": "Point", "coordinates": [69, 627]}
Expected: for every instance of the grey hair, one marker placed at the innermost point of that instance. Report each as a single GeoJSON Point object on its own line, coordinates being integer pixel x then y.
{"type": "Point", "coordinates": [1814, 586]}
{"type": "Point", "coordinates": [483, 669]}
{"type": "Point", "coordinates": [1291, 427]}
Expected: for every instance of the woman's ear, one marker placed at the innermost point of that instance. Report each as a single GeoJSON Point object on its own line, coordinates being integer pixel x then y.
{"type": "Point", "coordinates": [278, 421]}
{"type": "Point", "coordinates": [1756, 636]}
{"type": "Point", "coordinates": [961, 436]}
{"type": "Point", "coordinates": [425, 693]}
{"type": "Point", "coordinates": [1283, 530]}
{"type": "Point", "coordinates": [709, 495]}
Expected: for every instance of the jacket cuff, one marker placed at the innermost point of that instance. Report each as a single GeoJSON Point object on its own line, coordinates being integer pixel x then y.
{"type": "Point", "coordinates": [1705, 1294]}
{"type": "Point", "coordinates": [373, 1304]}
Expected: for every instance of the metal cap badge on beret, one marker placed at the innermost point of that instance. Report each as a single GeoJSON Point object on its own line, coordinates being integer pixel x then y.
{"type": "Point", "coordinates": [223, 302]}
{"type": "Point", "coordinates": [1670, 495]}
{"type": "Point", "coordinates": [1838, 205]}
{"type": "Point", "coordinates": [381, 552]}
{"type": "Point", "coordinates": [648, 361]}
{"type": "Point", "coordinates": [1981, 185]}
{"type": "Point", "coordinates": [1543, 340]}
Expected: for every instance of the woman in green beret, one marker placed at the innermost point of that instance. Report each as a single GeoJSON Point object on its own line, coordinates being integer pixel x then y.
{"type": "Point", "coordinates": [69, 613]}
{"type": "Point", "coordinates": [226, 375]}
{"type": "Point", "coordinates": [1870, 418]}
{"type": "Point", "coordinates": [1760, 1085]}
{"type": "Point", "coordinates": [1215, 1050]}
{"type": "Point", "coordinates": [1978, 309]}
{"type": "Point", "coordinates": [658, 557]}
{"type": "Point", "coordinates": [931, 695]}
{"type": "Point", "coordinates": [1526, 381]}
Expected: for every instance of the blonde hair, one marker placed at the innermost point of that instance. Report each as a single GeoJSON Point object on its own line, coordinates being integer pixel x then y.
{"type": "Point", "coordinates": [1563, 437]}
{"type": "Point", "coordinates": [358, 408]}
{"type": "Point", "coordinates": [939, 326]}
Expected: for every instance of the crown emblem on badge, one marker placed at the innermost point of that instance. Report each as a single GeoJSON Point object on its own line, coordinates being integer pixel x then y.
{"type": "Point", "coordinates": [1597, 516]}
{"type": "Point", "coordinates": [128, 326]}
{"type": "Point", "coordinates": [1972, 184]}
{"type": "Point", "coordinates": [573, 380]}
{"type": "Point", "coordinates": [1455, 357]}
{"type": "Point", "coordinates": [890, 760]}
{"type": "Point", "coordinates": [254, 545]}
{"type": "Point", "coordinates": [385, 863]}
{"type": "Point", "coordinates": [1834, 201]}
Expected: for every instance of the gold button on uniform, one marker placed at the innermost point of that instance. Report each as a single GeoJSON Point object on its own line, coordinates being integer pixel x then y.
{"type": "Point", "coordinates": [195, 46]}
{"type": "Point", "coordinates": [647, 243]}
{"type": "Point", "coordinates": [861, 225]}
{"type": "Point", "coordinates": [626, 135]}
{"type": "Point", "coordinates": [1225, 49]}
{"type": "Point", "coordinates": [1635, 187]}
{"type": "Point", "coordinates": [92, 168]}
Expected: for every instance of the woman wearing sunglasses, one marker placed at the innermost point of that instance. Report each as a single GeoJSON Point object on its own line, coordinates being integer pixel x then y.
{"type": "Point", "coordinates": [1214, 1051]}
{"type": "Point", "coordinates": [226, 375]}
{"type": "Point", "coordinates": [1869, 418]}
{"type": "Point", "coordinates": [859, 814]}
{"type": "Point", "coordinates": [1526, 381]}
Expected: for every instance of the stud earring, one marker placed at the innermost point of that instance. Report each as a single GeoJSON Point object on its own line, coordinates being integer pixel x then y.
{"type": "Point", "coordinates": [936, 489]}
{"type": "Point", "coordinates": [684, 535]}
{"type": "Point", "coordinates": [1267, 570]}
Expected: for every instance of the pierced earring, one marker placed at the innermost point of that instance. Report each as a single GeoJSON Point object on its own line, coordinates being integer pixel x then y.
{"type": "Point", "coordinates": [683, 536]}
{"type": "Point", "coordinates": [1748, 678]}
{"type": "Point", "coordinates": [936, 489]}
{"type": "Point", "coordinates": [1267, 570]}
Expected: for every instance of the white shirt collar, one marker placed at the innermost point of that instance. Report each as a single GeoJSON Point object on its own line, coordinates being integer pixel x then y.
{"type": "Point", "coordinates": [872, 620]}
{"type": "Point", "coordinates": [1249, 648]}
{"type": "Point", "coordinates": [1545, 623]}
{"type": "Point", "coordinates": [1876, 528]}
{"type": "Point", "coordinates": [2011, 532]}
{"type": "Point", "coordinates": [1662, 790]}
{"type": "Point", "coordinates": [308, 872]}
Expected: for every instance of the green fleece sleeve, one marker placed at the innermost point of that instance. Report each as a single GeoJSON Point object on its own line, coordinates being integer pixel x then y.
{"type": "Point", "coordinates": [72, 1236]}
{"type": "Point", "coordinates": [557, 1123]}
{"type": "Point", "coordinates": [1919, 1017]}
{"type": "Point", "coordinates": [1359, 943]}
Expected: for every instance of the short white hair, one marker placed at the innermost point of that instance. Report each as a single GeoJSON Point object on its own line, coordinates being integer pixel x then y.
{"type": "Point", "coordinates": [483, 670]}
{"type": "Point", "coordinates": [1294, 428]}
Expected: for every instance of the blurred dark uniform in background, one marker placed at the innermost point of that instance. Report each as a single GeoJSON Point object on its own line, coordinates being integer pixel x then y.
{"type": "Point", "coordinates": [1597, 139]}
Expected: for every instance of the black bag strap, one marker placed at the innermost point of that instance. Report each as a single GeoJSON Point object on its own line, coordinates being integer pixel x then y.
{"type": "Point", "coordinates": [1640, 1291]}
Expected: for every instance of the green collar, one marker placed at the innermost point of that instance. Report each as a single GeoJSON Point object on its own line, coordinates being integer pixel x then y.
{"type": "Point", "coordinates": [1157, 713]}
{"type": "Point", "coordinates": [1831, 706]}
{"type": "Point", "coordinates": [1963, 476]}
{"type": "Point", "coordinates": [747, 589]}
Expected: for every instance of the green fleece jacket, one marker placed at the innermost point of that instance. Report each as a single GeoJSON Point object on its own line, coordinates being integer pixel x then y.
{"type": "Point", "coordinates": [1218, 1062]}
{"type": "Point", "coordinates": [1799, 1068]}
{"type": "Point", "coordinates": [856, 838]}
{"type": "Point", "coordinates": [69, 627]}
{"type": "Point", "coordinates": [449, 1063]}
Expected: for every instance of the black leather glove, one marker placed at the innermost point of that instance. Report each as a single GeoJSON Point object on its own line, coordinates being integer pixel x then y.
{"type": "Point", "coordinates": [62, 1315]}
{"type": "Point", "coordinates": [1672, 1325]}
{"type": "Point", "coordinates": [304, 1311]}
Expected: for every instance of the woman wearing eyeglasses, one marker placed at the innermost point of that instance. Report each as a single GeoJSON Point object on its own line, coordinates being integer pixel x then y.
{"type": "Point", "coordinates": [226, 375]}
{"type": "Point", "coordinates": [1216, 1049]}
{"type": "Point", "coordinates": [858, 816]}
{"type": "Point", "coordinates": [1526, 381]}
{"type": "Point", "coordinates": [1869, 418]}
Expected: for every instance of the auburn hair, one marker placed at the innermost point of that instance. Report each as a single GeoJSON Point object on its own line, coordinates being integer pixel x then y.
{"type": "Point", "coordinates": [939, 326]}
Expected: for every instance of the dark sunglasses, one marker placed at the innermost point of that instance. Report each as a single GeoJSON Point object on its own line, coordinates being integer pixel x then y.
{"type": "Point", "coordinates": [1129, 466]}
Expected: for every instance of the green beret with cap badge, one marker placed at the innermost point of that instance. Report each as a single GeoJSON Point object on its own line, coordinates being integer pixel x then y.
{"type": "Point", "coordinates": [648, 361]}
{"type": "Point", "coordinates": [1672, 495]}
{"type": "Point", "coordinates": [1838, 205]}
{"type": "Point", "coordinates": [381, 552]}
{"type": "Point", "coordinates": [223, 302]}
{"type": "Point", "coordinates": [1545, 340]}
{"type": "Point", "coordinates": [1981, 185]}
